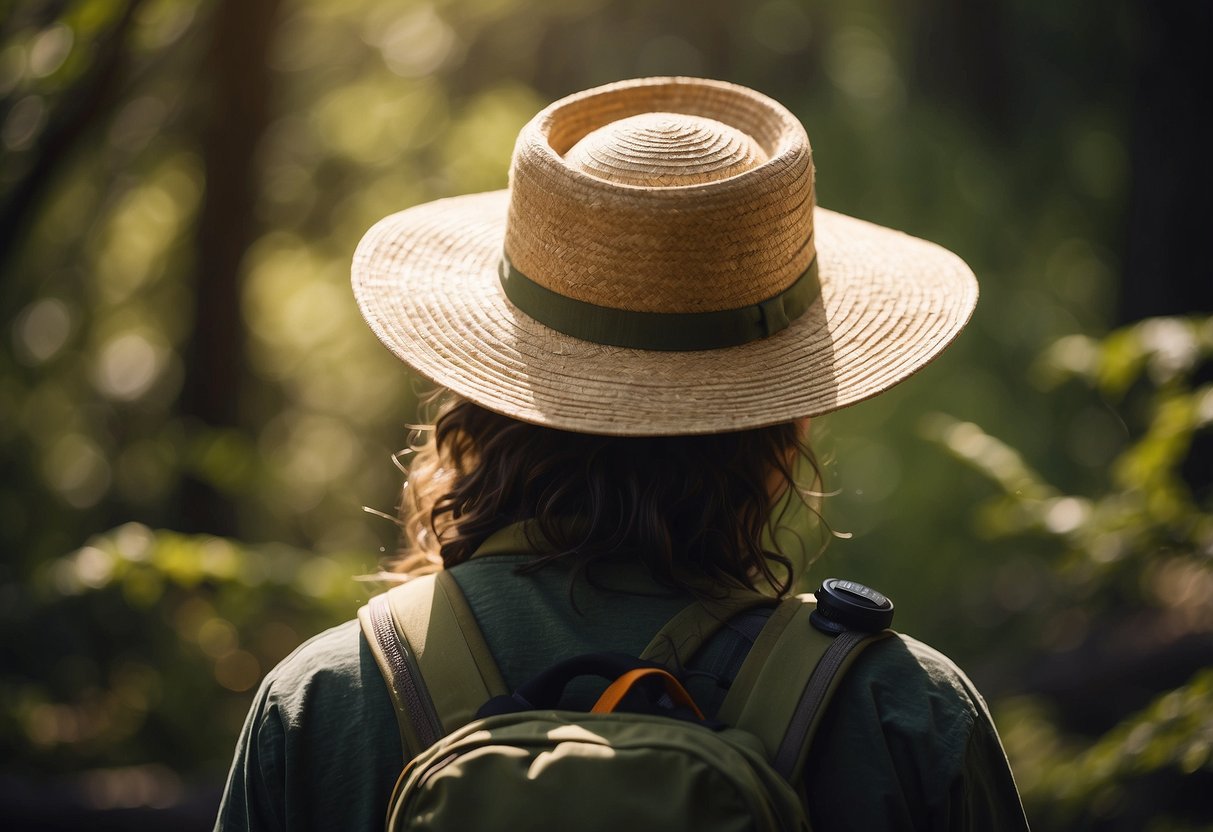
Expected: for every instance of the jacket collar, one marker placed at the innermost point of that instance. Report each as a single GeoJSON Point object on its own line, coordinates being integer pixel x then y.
{"type": "Point", "coordinates": [621, 574]}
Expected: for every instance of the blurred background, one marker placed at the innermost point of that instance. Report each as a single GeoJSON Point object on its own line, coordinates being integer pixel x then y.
{"type": "Point", "coordinates": [193, 416]}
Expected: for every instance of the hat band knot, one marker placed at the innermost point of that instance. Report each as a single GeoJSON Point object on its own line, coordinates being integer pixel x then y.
{"type": "Point", "coordinates": [668, 331]}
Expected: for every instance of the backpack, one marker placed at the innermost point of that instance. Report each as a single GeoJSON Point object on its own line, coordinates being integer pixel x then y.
{"type": "Point", "coordinates": [482, 758]}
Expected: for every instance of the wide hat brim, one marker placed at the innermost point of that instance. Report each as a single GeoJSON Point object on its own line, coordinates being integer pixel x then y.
{"type": "Point", "coordinates": [427, 282]}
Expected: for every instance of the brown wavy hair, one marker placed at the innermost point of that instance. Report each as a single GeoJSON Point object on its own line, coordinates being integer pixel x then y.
{"type": "Point", "coordinates": [683, 505]}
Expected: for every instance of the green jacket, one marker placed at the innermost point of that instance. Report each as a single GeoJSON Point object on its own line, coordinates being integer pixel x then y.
{"type": "Point", "coordinates": [907, 742]}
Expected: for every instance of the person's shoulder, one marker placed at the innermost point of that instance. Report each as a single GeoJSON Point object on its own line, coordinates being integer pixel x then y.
{"type": "Point", "coordinates": [906, 659]}
{"type": "Point", "coordinates": [327, 684]}
{"type": "Point", "coordinates": [320, 748]}
{"type": "Point", "coordinates": [912, 724]}
{"type": "Point", "coordinates": [902, 671]}
{"type": "Point", "coordinates": [330, 664]}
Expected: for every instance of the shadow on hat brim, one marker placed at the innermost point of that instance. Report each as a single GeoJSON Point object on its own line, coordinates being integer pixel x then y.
{"type": "Point", "coordinates": [426, 280]}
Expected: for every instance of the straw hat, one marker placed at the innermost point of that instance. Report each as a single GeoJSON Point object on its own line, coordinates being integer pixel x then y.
{"type": "Point", "coordinates": [658, 266]}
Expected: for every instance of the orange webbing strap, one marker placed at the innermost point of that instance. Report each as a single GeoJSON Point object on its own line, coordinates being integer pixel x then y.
{"type": "Point", "coordinates": [621, 687]}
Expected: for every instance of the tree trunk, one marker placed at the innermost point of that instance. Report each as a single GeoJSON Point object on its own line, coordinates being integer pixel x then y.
{"type": "Point", "coordinates": [235, 117]}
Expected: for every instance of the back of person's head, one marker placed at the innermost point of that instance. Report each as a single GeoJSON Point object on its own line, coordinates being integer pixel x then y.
{"type": "Point", "coordinates": [655, 290]}
{"type": "Point", "coordinates": [685, 506]}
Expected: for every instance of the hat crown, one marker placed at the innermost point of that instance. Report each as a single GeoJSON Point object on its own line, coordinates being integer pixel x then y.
{"type": "Point", "coordinates": [662, 195]}
{"type": "Point", "coordinates": [664, 150]}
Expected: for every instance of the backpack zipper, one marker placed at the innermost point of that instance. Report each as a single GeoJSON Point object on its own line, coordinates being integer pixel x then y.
{"type": "Point", "coordinates": [406, 677]}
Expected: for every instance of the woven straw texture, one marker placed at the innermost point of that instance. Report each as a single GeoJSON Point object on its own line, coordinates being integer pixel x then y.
{"type": "Point", "coordinates": [658, 195]}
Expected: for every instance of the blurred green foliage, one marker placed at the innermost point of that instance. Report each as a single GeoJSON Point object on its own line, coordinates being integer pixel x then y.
{"type": "Point", "coordinates": [134, 635]}
{"type": "Point", "coordinates": [143, 624]}
{"type": "Point", "coordinates": [1121, 592]}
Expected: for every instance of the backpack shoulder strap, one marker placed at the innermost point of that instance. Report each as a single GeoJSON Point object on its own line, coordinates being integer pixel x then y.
{"type": "Point", "coordinates": [691, 628]}
{"type": "Point", "coordinates": [787, 681]}
{"type": "Point", "coordinates": [431, 652]}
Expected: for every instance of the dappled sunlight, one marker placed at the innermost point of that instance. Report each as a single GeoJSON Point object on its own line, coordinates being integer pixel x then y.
{"type": "Point", "coordinates": [481, 139]}
{"type": "Point", "coordinates": [128, 365]}
{"type": "Point", "coordinates": [23, 123]}
{"type": "Point", "coordinates": [859, 64]}
{"type": "Point", "coordinates": [143, 226]}
{"type": "Point", "coordinates": [173, 527]}
{"type": "Point", "coordinates": [77, 469]}
{"type": "Point", "coordinates": [569, 748]}
{"type": "Point", "coordinates": [42, 329]}
{"type": "Point", "coordinates": [49, 49]}
{"type": "Point", "coordinates": [414, 44]}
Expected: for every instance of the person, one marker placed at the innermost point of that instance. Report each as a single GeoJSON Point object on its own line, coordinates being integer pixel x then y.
{"type": "Point", "coordinates": [634, 337]}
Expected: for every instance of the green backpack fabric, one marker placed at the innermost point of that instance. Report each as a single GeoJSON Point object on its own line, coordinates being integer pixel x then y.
{"type": "Point", "coordinates": [542, 768]}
